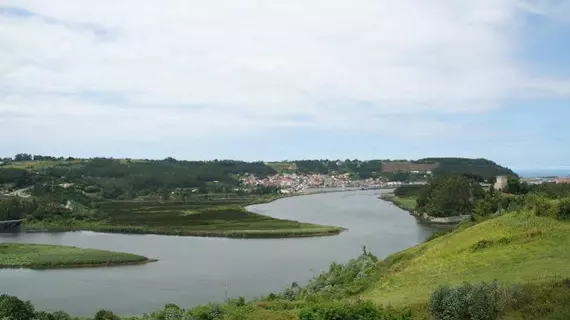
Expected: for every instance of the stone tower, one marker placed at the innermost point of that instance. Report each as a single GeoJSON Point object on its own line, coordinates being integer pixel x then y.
{"type": "Point", "coordinates": [501, 183]}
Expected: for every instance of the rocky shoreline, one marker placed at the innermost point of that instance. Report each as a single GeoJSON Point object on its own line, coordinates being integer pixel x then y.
{"type": "Point", "coordinates": [425, 218]}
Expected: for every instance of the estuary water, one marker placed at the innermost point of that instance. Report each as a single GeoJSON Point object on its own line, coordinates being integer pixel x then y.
{"type": "Point", "coordinates": [193, 270]}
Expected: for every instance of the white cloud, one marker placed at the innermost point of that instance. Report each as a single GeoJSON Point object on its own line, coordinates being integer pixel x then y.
{"type": "Point", "coordinates": [221, 67]}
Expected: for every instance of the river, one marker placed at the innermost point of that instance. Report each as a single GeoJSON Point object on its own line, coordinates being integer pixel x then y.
{"type": "Point", "coordinates": [193, 270]}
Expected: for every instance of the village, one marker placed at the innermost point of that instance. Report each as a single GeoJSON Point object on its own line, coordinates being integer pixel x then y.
{"type": "Point", "coordinates": [296, 183]}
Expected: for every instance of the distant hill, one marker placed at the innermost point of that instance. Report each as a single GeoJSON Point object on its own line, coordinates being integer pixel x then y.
{"type": "Point", "coordinates": [487, 169]}
{"type": "Point", "coordinates": [407, 166]}
{"type": "Point", "coordinates": [396, 169]}
{"type": "Point", "coordinates": [167, 174]}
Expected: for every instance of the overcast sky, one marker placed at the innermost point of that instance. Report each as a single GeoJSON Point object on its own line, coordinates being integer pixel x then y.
{"type": "Point", "coordinates": [275, 80]}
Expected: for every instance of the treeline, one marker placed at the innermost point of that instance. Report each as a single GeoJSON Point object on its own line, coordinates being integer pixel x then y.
{"type": "Point", "coordinates": [483, 168]}
{"type": "Point", "coordinates": [12, 308]}
{"type": "Point", "coordinates": [127, 179]}
{"type": "Point", "coordinates": [18, 177]}
{"type": "Point", "coordinates": [453, 195]}
{"type": "Point", "coordinates": [15, 208]}
{"type": "Point", "coordinates": [21, 157]}
{"type": "Point", "coordinates": [360, 169]}
{"type": "Point", "coordinates": [480, 169]}
{"type": "Point", "coordinates": [449, 195]}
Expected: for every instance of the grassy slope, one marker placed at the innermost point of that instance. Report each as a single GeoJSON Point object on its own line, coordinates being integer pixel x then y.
{"type": "Point", "coordinates": [190, 219]}
{"type": "Point", "coordinates": [15, 255]}
{"type": "Point", "coordinates": [521, 248]}
{"type": "Point", "coordinates": [282, 166]}
{"type": "Point", "coordinates": [42, 164]}
{"type": "Point", "coordinates": [406, 203]}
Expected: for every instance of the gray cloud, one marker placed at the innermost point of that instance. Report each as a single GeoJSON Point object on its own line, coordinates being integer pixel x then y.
{"type": "Point", "coordinates": [220, 68]}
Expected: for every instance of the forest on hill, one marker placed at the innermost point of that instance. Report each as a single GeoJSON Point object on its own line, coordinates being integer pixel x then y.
{"type": "Point", "coordinates": [51, 192]}
{"type": "Point", "coordinates": [129, 178]}
{"type": "Point", "coordinates": [400, 170]}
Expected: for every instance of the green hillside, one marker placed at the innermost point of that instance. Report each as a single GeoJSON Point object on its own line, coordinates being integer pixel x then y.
{"type": "Point", "coordinates": [513, 248]}
{"type": "Point", "coordinates": [484, 168]}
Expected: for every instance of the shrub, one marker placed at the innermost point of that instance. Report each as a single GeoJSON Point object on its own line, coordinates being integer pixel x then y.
{"type": "Point", "coordinates": [59, 315]}
{"type": "Point", "coordinates": [481, 244]}
{"type": "Point", "coordinates": [351, 311]}
{"type": "Point", "coordinates": [563, 209]}
{"type": "Point", "coordinates": [483, 301]}
{"type": "Point", "coordinates": [542, 301]}
{"type": "Point", "coordinates": [341, 280]}
{"type": "Point", "coordinates": [169, 312]}
{"type": "Point", "coordinates": [238, 302]}
{"type": "Point", "coordinates": [211, 311]}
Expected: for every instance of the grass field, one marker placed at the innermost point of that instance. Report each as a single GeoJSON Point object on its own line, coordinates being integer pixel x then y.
{"type": "Point", "coordinates": [514, 248]}
{"type": "Point", "coordinates": [38, 256]}
{"type": "Point", "coordinates": [42, 164]}
{"type": "Point", "coordinates": [405, 203]}
{"type": "Point", "coordinates": [204, 218]}
{"type": "Point", "coordinates": [282, 166]}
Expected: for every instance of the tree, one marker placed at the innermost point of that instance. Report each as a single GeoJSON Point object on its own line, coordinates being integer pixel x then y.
{"type": "Point", "coordinates": [106, 315]}
{"type": "Point", "coordinates": [58, 315]}
{"type": "Point", "coordinates": [12, 308]}
{"type": "Point", "coordinates": [515, 186]}
{"type": "Point", "coordinates": [23, 157]}
{"type": "Point", "coordinates": [447, 196]}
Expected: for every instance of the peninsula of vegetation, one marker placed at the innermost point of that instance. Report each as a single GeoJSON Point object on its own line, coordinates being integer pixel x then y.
{"type": "Point", "coordinates": [166, 197]}
{"type": "Point", "coordinates": [39, 256]}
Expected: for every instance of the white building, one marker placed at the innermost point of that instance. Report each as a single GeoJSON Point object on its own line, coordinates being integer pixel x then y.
{"type": "Point", "coordinates": [501, 183]}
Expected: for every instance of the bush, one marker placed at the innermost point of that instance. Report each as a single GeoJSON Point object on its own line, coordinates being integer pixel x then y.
{"type": "Point", "coordinates": [563, 209]}
{"type": "Point", "coordinates": [59, 315]}
{"type": "Point", "coordinates": [208, 312]}
{"type": "Point", "coordinates": [352, 311]}
{"type": "Point", "coordinates": [169, 312]}
{"type": "Point", "coordinates": [542, 301]}
{"type": "Point", "coordinates": [340, 281]}
{"type": "Point", "coordinates": [483, 301]}
{"type": "Point", "coordinates": [237, 302]}
{"type": "Point", "coordinates": [541, 206]}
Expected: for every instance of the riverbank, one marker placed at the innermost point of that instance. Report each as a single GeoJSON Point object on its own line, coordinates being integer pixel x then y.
{"type": "Point", "coordinates": [304, 230]}
{"type": "Point", "coordinates": [227, 219]}
{"type": "Point", "coordinates": [409, 204]}
{"type": "Point", "coordinates": [39, 256]}
{"type": "Point", "coordinates": [404, 203]}
{"type": "Point", "coordinates": [522, 257]}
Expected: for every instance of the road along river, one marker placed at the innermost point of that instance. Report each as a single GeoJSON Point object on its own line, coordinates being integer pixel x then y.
{"type": "Point", "coordinates": [193, 271]}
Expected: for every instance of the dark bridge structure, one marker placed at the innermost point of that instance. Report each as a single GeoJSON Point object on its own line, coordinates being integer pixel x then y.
{"type": "Point", "coordinates": [10, 226]}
